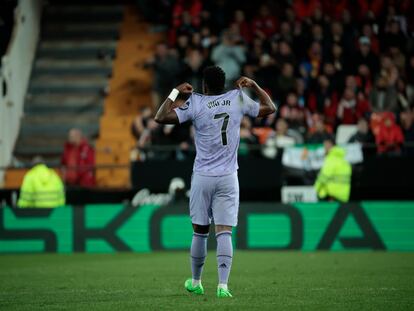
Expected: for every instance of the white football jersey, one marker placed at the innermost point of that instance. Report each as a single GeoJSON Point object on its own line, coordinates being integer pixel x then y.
{"type": "Point", "coordinates": [216, 120]}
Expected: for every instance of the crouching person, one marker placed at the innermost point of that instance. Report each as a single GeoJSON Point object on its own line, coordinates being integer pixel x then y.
{"type": "Point", "coordinates": [41, 188]}
{"type": "Point", "coordinates": [334, 180]}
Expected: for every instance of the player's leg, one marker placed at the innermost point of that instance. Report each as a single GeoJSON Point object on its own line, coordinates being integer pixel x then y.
{"type": "Point", "coordinates": [225, 212]}
{"type": "Point", "coordinates": [198, 252]}
{"type": "Point", "coordinates": [200, 213]}
{"type": "Point", "coordinates": [224, 258]}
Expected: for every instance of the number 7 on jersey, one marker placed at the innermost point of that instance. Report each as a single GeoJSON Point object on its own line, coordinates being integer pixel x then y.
{"type": "Point", "coordinates": [226, 118]}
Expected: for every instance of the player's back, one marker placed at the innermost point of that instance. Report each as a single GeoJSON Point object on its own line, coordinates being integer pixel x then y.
{"type": "Point", "coordinates": [216, 119]}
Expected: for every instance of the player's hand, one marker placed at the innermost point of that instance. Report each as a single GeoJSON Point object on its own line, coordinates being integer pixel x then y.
{"type": "Point", "coordinates": [185, 88]}
{"type": "Point", "coordinates": [245, 82]}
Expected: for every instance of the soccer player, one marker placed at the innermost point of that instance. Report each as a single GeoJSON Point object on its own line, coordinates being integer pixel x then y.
{"type": "Point", "coordinates": [214, 193]}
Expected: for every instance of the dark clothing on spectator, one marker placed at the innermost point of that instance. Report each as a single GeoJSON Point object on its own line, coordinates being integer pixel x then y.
{"type": "Point", "coordinates": [370, 60]}
{"type": "Point", "coordinates": [383, 100]}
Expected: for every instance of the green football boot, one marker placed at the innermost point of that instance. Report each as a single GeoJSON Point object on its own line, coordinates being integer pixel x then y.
{"type": "Point", "coordinates": [198, 290]}
{"type": "Point", "coordinates": [223, 293]}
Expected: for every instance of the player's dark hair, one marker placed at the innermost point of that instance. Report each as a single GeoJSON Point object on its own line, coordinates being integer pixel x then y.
{"type": "Point", "coordinates": [214, 78]}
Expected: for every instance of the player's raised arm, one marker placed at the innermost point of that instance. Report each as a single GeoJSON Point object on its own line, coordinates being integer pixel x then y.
{"type": "Point", "coordinates": [266, 105]}
{"type": "Point", "coordinates": [166, 113]}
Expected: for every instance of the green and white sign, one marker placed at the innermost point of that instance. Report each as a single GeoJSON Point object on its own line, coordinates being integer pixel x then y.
{"type": "Point", "coordinates": [300, 226]}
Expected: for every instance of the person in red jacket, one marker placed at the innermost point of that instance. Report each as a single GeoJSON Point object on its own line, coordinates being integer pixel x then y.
{"type": "Point", "coordinates": [78, 160]}
{"type": "Point", "coordinates": [351, 108]}
{"type": "Point", "coordinates": [389, 137]}
{"type": "Point", "coordinates": [305, 8]}
{"type": "Point", "coordinates": [264, 24]}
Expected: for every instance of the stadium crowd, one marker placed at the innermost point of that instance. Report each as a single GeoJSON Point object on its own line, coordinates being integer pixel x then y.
{"type": "Point", "coordinates": [324, 62]}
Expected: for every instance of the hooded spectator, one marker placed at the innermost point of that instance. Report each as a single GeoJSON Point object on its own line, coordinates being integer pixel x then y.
{"type": "Point", "coordinates": [389, 138]}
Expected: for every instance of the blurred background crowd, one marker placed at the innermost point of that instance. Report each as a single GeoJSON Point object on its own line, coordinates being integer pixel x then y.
{"type": "Point", "coordinates": [324, 63]}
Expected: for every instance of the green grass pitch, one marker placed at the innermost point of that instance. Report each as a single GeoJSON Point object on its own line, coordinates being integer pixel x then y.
{"type": "Point", "coordinates": [259, 281]}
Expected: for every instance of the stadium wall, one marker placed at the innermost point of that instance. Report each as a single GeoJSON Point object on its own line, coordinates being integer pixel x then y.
{"type": "Point", "coordinates": [114, 228]}
{"type": "Point", "coordinates": [16, 67]}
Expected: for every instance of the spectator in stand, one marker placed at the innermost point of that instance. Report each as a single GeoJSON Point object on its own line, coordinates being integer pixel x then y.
{"type": "Point", "coordinates": [230, 57]}
{"type": "Point", "coordinates": [365, 56]}
{"type": "Point", "coordinates": [383, 96]}
{"type": "Point", "coordinates": [78, 160]}
{"type": "Point", "coordinates": [398, 58]}
{"type": "Point", "coordinates": [394, 37]}
{"type": "Point", "coordinates": [319, 133]}
{"type": "Point", "coordinates": [334, 8]}
{"type": "Point", "coordinates": [407, 124]}
{"type": "Point", "coordinates": [284, 54]}
{"type": "Point", "coordinates": [194, 65]}
{"type": "Point", "coordinates": [351, 108]}
{"type": "Point", "coordinates": [242, 25]}
{"type": "Point", "coordinates": [247, 138]}
{"type": "Point", "coordinates": [370, 9]}
{"type": "Point", "coordinates": [166, 68]}
{"type": "Point", "coordinates": [410, 71]}
{"type": "Point", "coordinates": [140, 122]}
{"type": "Point", "coordinates": [368, 32]}
{"type": "Point", "coordinates": [281, 138]}
{"type": "Point", "coordinates": [405, 99]}
{"type": "Point", "coordinates": [389, 138]}
{"type": "Point", "coordinates": [364, 81]}
{"type": "Point", "coordinates": [324, 100]}
{"type": "Point", "coordinates": [305, 8]}
{"type": "Point", "coordinates": [286, 82]}
{"type": "Point", "coordinates": [266, 74]}
{"type": "Point", "coordinates": [154, 135]}
{"type": "Point", "coordinates": [264, 24]}
{"type": "Point", "coordinates": [337, 58]}
{"type": "Point", "coordinates": [292, 113]}
{"type": "Point", "coordinates": [363, 135]}
{"type": "Point", "coordinates": [313, 64]}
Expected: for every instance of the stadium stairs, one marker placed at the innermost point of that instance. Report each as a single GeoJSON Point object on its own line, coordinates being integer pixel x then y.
{"type": "Point", "coordinates": [130, 89]}
{"type": "Point", "coordinates": [80, 72]}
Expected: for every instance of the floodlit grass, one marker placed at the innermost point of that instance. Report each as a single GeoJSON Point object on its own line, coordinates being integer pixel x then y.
{"type": "Point", "coordinates": [259, 281]}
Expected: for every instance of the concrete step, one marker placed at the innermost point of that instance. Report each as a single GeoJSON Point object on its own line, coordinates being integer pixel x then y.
{"type": "Point", "coordinates": [48, 130]}
{"type": "Point", "coordinates": [101, 31]}
{"type": "Point", "coordinates": [64, 103]}
{"type": "Point", "coordinates": [85, 9]}
{"type": "Point", "coordinates": [83, 13]}
{"type": "Point", "coordinates": [60, 119]}
{"type": "Point", "coordinates": [72, 66]}
{"type": "Point", "coordinates": [76, 48]}
{"type": "Point", "coordinates": [67, 83]}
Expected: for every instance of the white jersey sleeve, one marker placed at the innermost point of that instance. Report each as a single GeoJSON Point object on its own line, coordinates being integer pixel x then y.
{"type": "Point", "coordinates": [249, 106]}
{"type": "Point", "coordinates": [186, 111]}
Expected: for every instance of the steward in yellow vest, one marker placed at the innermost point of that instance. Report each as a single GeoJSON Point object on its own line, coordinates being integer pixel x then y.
{"type": "Point", "coordinates": [334, 179]}
{"type": "Point", "coordinates": [41, 188]}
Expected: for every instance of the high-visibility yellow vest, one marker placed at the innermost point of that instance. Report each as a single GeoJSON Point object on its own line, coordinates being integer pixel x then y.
{"type": "Point", "coordinates": [41, 188]}
{"type": "Point", "coordinates": [334, 179]}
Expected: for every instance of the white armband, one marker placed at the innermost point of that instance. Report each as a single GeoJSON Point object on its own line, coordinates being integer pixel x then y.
{"type": "Point", "coordinates": [173, 95]}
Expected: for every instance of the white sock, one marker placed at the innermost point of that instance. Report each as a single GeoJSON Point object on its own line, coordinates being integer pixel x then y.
{"type": "Point", "coordinates": [196, 282]}
{"type": "Point", "coordinates": [223, 286]}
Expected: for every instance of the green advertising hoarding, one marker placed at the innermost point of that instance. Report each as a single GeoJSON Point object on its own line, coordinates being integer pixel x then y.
{"type": "Point", "coordinates": [300, 226]}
